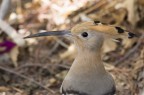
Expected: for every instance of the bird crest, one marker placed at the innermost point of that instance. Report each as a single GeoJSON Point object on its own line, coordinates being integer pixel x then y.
{"type": "Point", "coordinates": [97, 26]}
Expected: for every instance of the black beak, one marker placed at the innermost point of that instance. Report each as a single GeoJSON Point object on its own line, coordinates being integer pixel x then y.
{"type": "Point", "coordinates": [50, 33]}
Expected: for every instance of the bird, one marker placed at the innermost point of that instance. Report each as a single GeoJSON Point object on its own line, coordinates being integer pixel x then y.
{"type": "Point", "coordinates": [87, 75]}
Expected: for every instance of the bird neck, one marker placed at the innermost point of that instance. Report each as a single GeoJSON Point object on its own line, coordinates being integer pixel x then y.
{"type": "Point", "coordinates": [87, 74]}
{"type": "Point", "coordinates": [88, 63]}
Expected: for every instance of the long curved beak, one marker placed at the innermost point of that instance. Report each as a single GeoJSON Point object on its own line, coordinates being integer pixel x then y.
{"type": "Point", "coordinates": [50, 33]}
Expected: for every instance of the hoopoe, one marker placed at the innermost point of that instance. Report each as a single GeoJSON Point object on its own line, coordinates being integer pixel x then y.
{"type": "Point", "coordinates": [87, 75]}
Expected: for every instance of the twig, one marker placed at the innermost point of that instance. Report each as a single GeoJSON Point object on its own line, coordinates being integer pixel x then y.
{"type": "Point", "coordinates": [62, 43]}
{"type": "Point", "coordinates": [54, 48]}
{"type": "Point", "coordinates": [12, 33]}
{"type": "Point", "coordinates": [131, 51]}
{"type": "Point", "coordinates": [40, 65]}
{"type": "Point", "coordinates": [96, 6]}
{"type": "Point", "coordinates": [4, 8]}
{"type": "Point", "coordinates": [24, 77]}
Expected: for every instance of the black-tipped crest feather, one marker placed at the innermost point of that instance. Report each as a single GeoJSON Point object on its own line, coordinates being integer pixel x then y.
{"type": "Point", "coordinates": [120, 30]}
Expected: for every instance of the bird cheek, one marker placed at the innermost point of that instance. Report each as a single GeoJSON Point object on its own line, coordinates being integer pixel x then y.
{"type": "Point", "coordinates": [76, 38]}
{"type": "Point", "coordinates": [78, 42]}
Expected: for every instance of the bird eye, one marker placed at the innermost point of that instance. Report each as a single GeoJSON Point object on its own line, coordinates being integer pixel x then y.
{"type": "Point", "coordinates": [84, 34]}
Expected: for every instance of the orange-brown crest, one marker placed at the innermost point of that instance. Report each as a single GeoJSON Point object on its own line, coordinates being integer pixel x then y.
{"type": "Point", "coordinates": [96, 26]}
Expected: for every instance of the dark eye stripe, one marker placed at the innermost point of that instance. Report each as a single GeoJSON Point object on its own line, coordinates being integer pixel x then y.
{"type": "Point", "coordinates": [120, 30]}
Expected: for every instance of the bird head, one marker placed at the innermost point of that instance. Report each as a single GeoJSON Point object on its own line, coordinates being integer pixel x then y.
{"type": "Point", "coordinates": [89, 34]}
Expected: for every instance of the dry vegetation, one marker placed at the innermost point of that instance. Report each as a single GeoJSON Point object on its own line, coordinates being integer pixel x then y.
{"type": "Point", "coordinates": [37, 66]}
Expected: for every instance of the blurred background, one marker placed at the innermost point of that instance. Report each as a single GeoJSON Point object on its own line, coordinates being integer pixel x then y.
{"type": "Point", "coordinates": [37, 66]}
